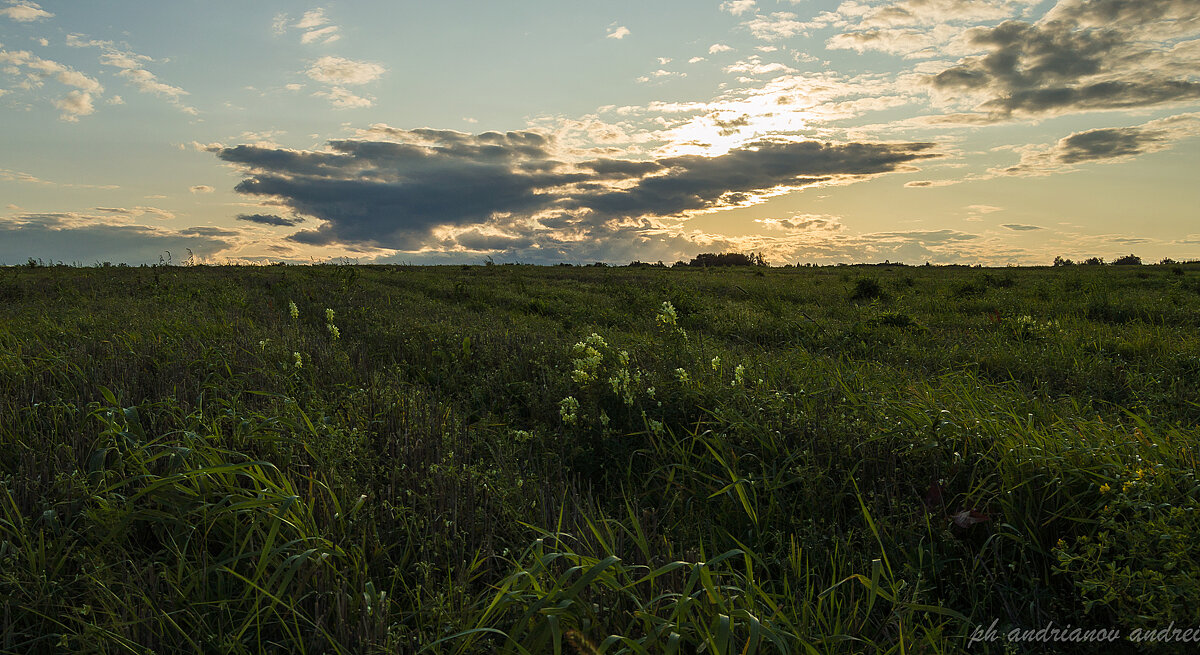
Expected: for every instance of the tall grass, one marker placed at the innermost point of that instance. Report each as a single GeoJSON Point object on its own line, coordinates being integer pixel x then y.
{"type": "Point", "coordinates": [778, 463]}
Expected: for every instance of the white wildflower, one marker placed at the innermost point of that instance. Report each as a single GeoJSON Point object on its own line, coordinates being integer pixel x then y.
{"type": "Point", "coordinates": [568, 408]}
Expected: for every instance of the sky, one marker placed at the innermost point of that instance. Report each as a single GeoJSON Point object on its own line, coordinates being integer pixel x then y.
{"type": "Point", "coordinates": [990, 132]}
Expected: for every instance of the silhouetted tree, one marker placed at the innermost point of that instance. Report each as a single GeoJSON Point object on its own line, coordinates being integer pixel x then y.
{"type": "Point", "coordinates": [1128, 260]}
{"type": "Point", "coordinates": [1060, 261]}
{"type": "Point", "coordinates": [728, 259]}
{"type": "Point", "coordinates": [1093, 261]}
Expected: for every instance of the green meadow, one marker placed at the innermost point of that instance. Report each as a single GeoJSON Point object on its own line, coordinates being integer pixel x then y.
{"type": "Point", "coordinates": [519, 459]}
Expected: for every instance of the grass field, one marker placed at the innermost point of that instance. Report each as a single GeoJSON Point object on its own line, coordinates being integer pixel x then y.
{"type": "Point", "coordinates": [344, 459]}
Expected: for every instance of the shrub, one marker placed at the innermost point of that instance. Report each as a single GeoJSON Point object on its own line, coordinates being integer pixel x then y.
{"type": "Point", "coordinates": [866, 288]}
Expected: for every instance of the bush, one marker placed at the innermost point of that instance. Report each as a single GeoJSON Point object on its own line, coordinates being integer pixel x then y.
{"type": "Point", "coordinates": [866, 288]}
{"type": "Point", "coordinates": [1128, 260]}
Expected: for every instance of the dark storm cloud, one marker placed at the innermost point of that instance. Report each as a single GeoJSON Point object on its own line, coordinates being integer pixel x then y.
{"type": "Point", "coordinates": [1108, 143]}
{"type": "Point", "coordinates": [1083, 56]}
{"type": "Point", "coordinates": [396, 193]}
{"type": "Point", "coordinates": [269, 219]}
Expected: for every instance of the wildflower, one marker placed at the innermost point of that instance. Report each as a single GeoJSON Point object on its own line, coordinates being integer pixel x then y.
{"type": "Point", "coordinates": [334, 331]}
{"type": "Point", "coordinates": [293, 309]}
{"type": "Point", "coordinates": [739, 376]}
{"type": "Point", "coordinates": [587, 358]}
{"type": "Point", "coordinates": [650, 391]}
{"type": "Point", "coordinates": [716, 363]}
{"type": "Point", "coordinates": [328, 315]}
{"type": "Point", "coordinates": [656, 427]}
{"type": "Point", "coordinates": [1105, 488]}
{"type": "Point", "coordinates": [263, 344]}
{"type": "Point", "coordinates": [568, 408]}
{"type": "Point", "coordinates": [622, 385]}
{"type": "Point", "coordinates": [682, 376]}
{"type": "Point", "coordinates": [298, 360]}
{"type": "Point", "coordinates": [1062, 543]}
{"type": "Point", "coordinates": [666, 315]}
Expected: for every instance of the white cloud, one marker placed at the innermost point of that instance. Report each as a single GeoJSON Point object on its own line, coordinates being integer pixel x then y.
{"type": "Point", "coordinates": [279, 24]}
{"type": "Point", "coordinates": [618, 33]}
{"type": "Point", "coordinates": [324, 35]}
{"type": "Point", "coordinates": [201, 188]}
{"type": "Point", "coordinates": [132, 69]}
{"type": "Point", "coordinates": [74, 105]}
{"type": "Point", "coordinates": [24, 12]}
{"type": "Point", "coordinates": [718, 47]}
{"type": "Point", "coordinates": [738, 7]}
{"type": "Point", "coordinates": [344, 99]}
{"type": "Point", "coordinates": [339, 70]}
{"type": "Point", "coordinates": [755, 66]}
{"type": "Point", "coordinates": [696, 60]}
{"type": "Point", "coordinates": [779, 25]}
{"type": "Point", "coordinates": [311, 19]}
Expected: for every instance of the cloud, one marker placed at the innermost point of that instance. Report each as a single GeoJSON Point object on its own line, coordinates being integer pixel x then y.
{"type": "Point", "coordinates": [923, 184]}
{"type": "Point", "coordinates": [755, 66]}
{"type": "Point", "coordinates": [74, 105]}
{"type": "Point", "coordinates": [1021, 228]}
{"type": "Point", "coordinates": [803, 223]}
{"type": "Point", "coordinates": [37, 70]}
{"type": "Point", "coordinates": [269, 219]}
{"type": "Point", "coordinates": [8, 175]}
{"type": "Point", "coordinates": [660, 74]}
{"type": "Point", "coordinates": [208, 231]}
{"type": "Point", "coordinates": [344, 99]}
{"type": "Point", "coordinates": [914, 28]}
{"type": "Point", "coordinates": [134, 212]}
{"type": "Point", "coordinates": [311, 19]}
{"type": "Point", "coordinates": [201, 188]}
{"type": "Point", "coordinates": [132, 68]}
{"type": "Point", "coordinates": [24, 12]}
{"type": "Point", "coordinates": [717, 48]}
{"type": "Point", "coordinates": [1077, 59]}
{"type": "Point", "coordinates": [427, 188]}
{"type": "Point", "coordinates": [342, 71]}
{"type": "Point", "coordinates": [86, 238]}
{"type": "Point", "coordinates": [324, 35]}
{"type": "Point", "coordinates": [618, 33]}
{"type": "Point", "coordinates": [315, 25]}
{"type": "Point", "coordinates": [1103, 145]}
{"type": "Point", "coordinates": [738, 7]}
{"type": "Point", "coordinates": [776, 26]}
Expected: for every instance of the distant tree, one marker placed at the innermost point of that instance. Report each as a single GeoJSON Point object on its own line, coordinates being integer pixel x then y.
{"type": "Point", "coordinates": [728, 259]}
{"type": "Point", "coordinates": [1060, 261]}
{"type": "Point", "coordinates": [1128, 260]}
{"type": "Point", "coordinates": [1093, 261]}
{"type": "Point", "coordinates": [1167, 261]}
